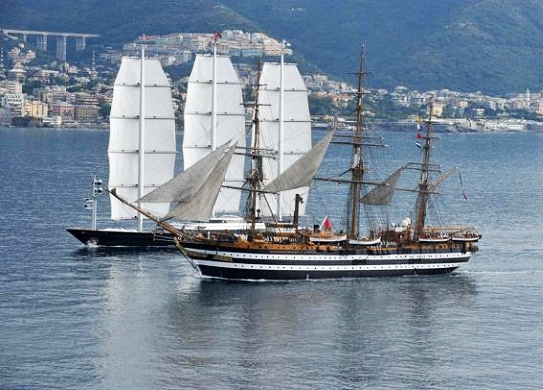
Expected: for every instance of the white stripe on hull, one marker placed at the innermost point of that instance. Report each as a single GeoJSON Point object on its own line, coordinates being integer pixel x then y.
{"type": "Point", "coordinates": [264, 262]}
{"type": "Point", "coordinates": [236, 256]}
{"type": "Point", "coordinates": [280, 267]}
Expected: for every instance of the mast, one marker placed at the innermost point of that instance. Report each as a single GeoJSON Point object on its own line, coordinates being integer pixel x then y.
{"type": "Point", "coordinates": [357, 168]}
{"type": "Point", "coordinates": [141, 147]}
{"type": "Point", "coordinates": [296, 216]}
{"type": "Point", "coordinates": [256, 176]}
{"type": "Point", "coordinates": [424, 189]}
{"type": "Point", "coordinates": [214, 96]}
{"type": "Point", "coordinates": [281, 122]}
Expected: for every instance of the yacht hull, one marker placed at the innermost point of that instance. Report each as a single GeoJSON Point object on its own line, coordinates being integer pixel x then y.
{"type": "Point", "coordinates": [122, 238]}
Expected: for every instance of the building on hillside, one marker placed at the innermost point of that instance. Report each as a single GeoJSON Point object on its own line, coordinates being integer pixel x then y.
{"type": "Point", "coordinates": [539, 107]}
{"type": "Point", "coordinates": [35, 109]}
{"type": "Point", "coordinates": [85, 99]}
{"type": "Point", "coordinates": [14, 103]}
{"type": "Point", "coordinates": [57, 94]}
{"type": "Point", "coordinates": [182, 56]}
{"type": "Point", "coordinates": [86, 113]}
{"type": "Point", "coordinates": [65, 110]}
{"type": "Point", "coordinates": [13, 86]}
{"type": "Point", "coordinates": [437, 109]}
{"type": "Point", "coordinates": [17, 73]}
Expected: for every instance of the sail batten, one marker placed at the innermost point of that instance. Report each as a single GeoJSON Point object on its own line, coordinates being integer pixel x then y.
{"type": "Point", "coordinates": [160, 148]}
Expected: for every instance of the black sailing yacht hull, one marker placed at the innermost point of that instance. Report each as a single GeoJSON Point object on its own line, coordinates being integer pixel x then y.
{"type": "Point", "coordinates": [267, 265]}
{"type": "Point", "coordinates": [122, 238]}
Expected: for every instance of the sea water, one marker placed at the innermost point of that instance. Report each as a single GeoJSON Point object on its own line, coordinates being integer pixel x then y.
{"type": "Point", "coordinates": [94, 318]}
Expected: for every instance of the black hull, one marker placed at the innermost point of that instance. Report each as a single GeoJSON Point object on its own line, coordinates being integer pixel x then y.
{"type": "Point", "coordinates": [248, 274]}
{"type": "Point", "coordinates": [122, 238]}
{"type": "Point", "coordinates": [269, 263]}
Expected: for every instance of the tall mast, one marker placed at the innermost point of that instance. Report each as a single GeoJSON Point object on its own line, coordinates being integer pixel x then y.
{"type": "Point", "coordinates": [424, 183]}
{"type": "Point", "coordinates": [357, 168]}
{"type": "Point", "coordinates": [281, 122]}
{"type": "Point", "coordinates": [141, 148]}
{"type": "Point", "coordinates": [256, 174]}
{"type": "Point", "coordinates": [214, 96]}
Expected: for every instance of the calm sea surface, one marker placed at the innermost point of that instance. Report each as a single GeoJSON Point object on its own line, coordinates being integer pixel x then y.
{"type": "Point", "coordinates": [73, 317]}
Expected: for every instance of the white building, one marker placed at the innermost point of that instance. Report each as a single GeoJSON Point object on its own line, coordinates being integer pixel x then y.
{"type": "Point", "coordinates": [14, 102]}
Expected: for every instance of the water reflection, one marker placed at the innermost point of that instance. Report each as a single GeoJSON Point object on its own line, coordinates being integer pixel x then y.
{"type": "Point", "coordinates": [352, 331]}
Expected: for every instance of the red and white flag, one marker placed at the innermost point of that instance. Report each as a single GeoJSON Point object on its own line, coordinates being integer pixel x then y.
{"type": "Point", "coordinates": [326, 224]}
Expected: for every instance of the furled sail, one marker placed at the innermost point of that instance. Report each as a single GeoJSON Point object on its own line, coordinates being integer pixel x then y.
{"type": "Point", "coordinates": [303, 170]}
{"type": "Point", "coordinates": [159, 141]}
{"type": "Point", "coordinates": [214, 114]}
{"type": "Point", "coordinates": [289, 116]}
{"type": "Point", "coordinates": [382, 194]}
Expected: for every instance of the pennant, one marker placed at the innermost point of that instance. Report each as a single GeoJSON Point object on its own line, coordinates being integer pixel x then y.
{"type": "Point", "coordinates": [418, 145]}
{"type": "Point", "coordinates": [419, 136]}
{"type": "Point", "coordinates": [217, 35]}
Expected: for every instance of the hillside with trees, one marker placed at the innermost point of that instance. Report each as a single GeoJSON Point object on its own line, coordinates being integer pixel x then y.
{"type": "Point", "coordinates": [493, 46]}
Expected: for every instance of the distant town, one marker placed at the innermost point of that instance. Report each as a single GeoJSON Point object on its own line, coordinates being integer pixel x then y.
{"type": "Point", "coordinates": [62, 94]}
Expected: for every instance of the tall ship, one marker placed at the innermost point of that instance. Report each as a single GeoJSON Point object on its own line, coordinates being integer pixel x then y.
{"type": "Point", "coordinates": [141, 152]}
{"type": "Point", "coordinates": [413, 247]}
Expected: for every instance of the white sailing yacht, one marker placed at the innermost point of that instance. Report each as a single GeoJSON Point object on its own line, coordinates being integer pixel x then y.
{"type": "Point", "coordinates": [141, 151]}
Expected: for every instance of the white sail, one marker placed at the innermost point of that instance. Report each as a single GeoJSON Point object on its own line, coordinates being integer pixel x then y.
{"type": "Point", "coordinates": [303, 170]}
{"type": "Point", "coordinates": [200, 206]}
{"type": "Point", "coordinates": [159, 141]}
{"type": "Point", "coordinates": [296, 128]}
{"type": "Point", "coordinates": [188, 184]}
{"type": "Point", "coordinates": [218, 97]}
